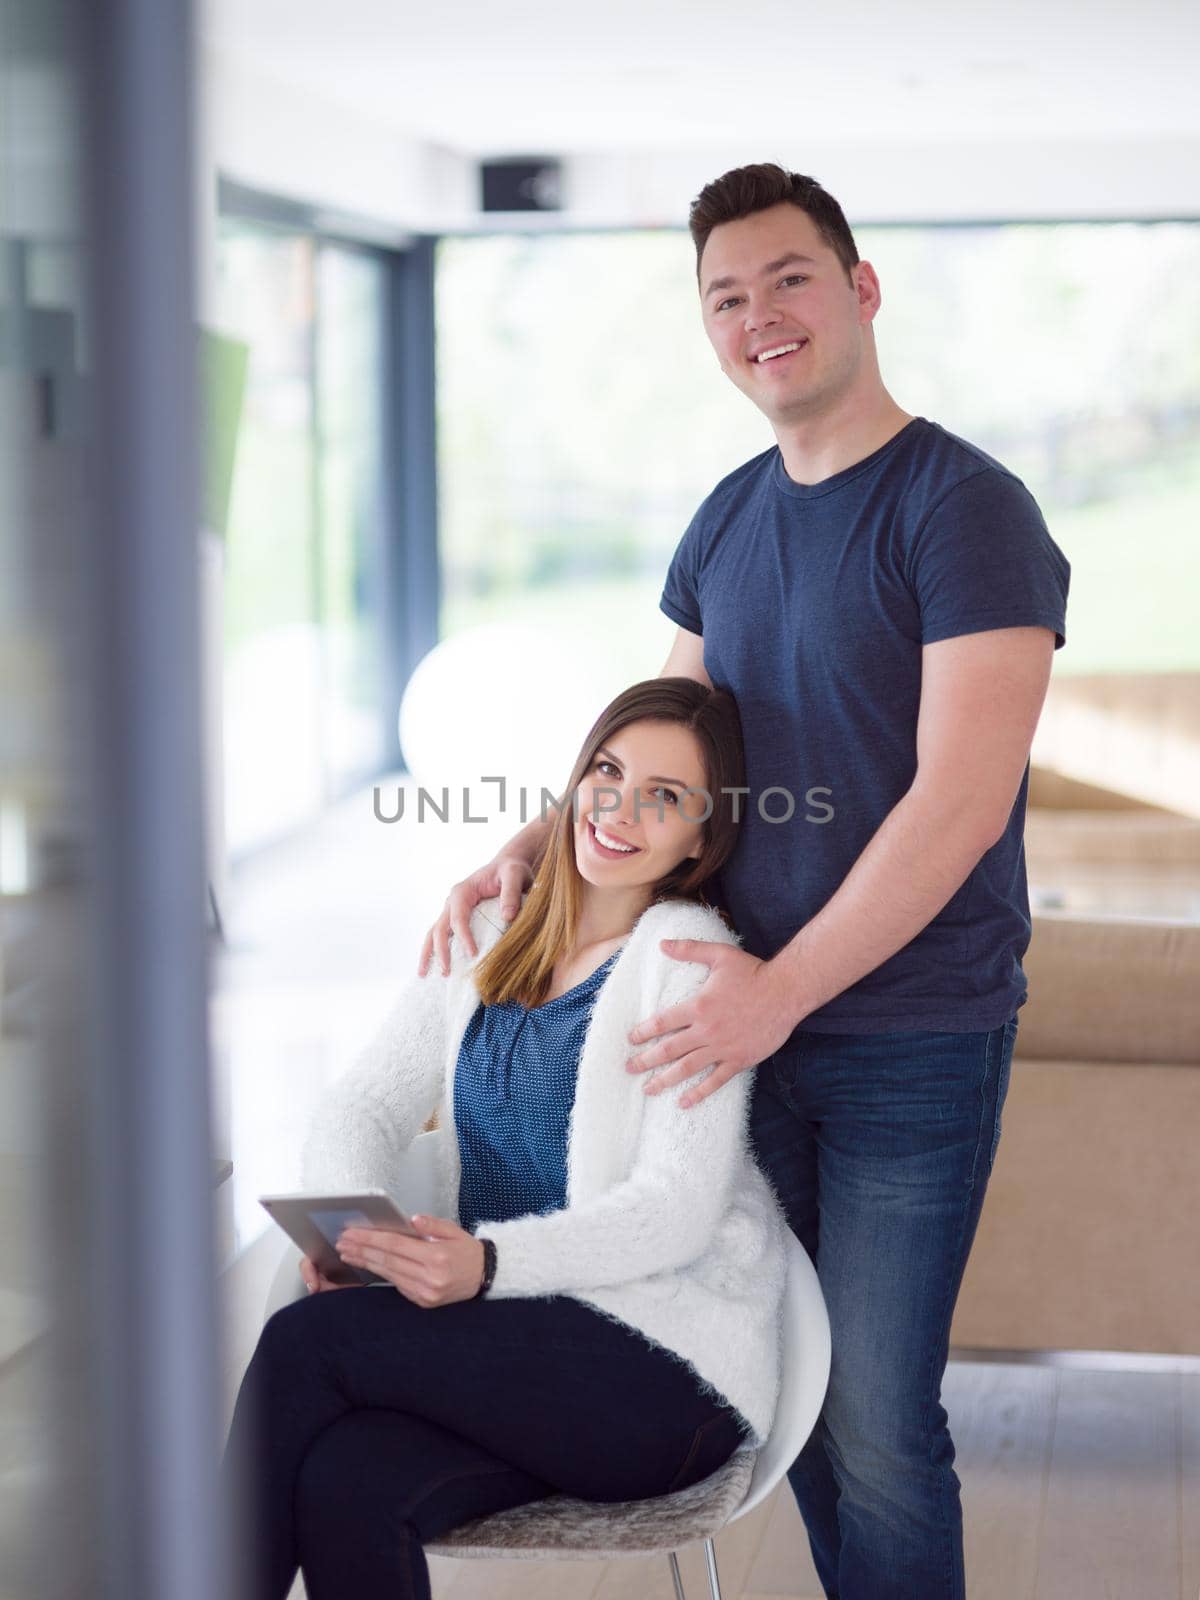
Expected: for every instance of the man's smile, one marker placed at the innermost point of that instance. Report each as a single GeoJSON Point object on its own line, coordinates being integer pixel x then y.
{"type": "Point", "coordinates": [777, 352]}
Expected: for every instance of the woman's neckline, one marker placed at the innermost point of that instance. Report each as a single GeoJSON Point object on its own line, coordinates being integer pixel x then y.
{"type": "Point", "coordinates": [566, 994]}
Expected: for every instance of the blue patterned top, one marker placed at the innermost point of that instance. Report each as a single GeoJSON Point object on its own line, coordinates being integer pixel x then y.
{"type": "Point", "coordinates": [514, 1087]}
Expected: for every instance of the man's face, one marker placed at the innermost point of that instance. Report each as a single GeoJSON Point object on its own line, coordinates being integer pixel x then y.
{"type": "Point", "coordinates": [770, 282]}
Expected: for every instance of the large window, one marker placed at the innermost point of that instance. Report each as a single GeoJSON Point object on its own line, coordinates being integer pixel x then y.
{"type": "Point", "coordinates": [582, 416]}
{"type": "Point", "coordinates": [303, 712]}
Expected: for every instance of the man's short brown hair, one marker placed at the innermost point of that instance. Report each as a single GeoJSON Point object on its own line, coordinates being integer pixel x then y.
{"type": "Point", "coordinates": [745, 190]}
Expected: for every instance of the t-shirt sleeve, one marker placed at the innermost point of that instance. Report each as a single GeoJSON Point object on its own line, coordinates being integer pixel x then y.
{"type": "Point", "coordinates": [681, 591]}
{"type": "Point", "coordinates": [984, 559]}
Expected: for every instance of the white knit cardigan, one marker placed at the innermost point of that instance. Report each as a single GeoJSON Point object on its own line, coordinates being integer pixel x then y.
{"type": "Point", "coordinates": [669, 1225]}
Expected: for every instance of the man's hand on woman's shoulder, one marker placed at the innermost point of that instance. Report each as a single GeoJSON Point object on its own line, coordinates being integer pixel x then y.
{"type": "Point", "coordinates": [507, 877]}
{"type": "Point", "coordinates": [740, 1016]}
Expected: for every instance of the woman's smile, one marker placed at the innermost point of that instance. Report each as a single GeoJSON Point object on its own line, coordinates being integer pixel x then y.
{"type": "Point", "coordinates": [608, 846]}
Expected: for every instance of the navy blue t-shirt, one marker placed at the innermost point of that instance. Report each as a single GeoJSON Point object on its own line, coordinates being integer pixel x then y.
{"type": "Point", "coordinates": [814, 602]}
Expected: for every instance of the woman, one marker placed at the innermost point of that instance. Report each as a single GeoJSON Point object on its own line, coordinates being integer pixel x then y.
{"type": "Point", "coordinates": [602, 1318]}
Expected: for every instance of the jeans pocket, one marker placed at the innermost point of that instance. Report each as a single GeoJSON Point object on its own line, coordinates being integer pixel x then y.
{"type": "Point", "coordinates": [1008, 1038]}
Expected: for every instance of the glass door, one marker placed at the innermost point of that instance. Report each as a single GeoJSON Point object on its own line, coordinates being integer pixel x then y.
{"type": "Point", "coordinates": [303, 719]}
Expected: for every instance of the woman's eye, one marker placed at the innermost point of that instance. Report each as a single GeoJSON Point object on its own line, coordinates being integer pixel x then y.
{"type": "Point", "coordinates": [606, 767]}
{"type": "Point", "coordinates": [669, 795]}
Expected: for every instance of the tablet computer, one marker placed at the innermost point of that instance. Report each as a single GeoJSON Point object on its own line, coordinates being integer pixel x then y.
{"type": "Point", "coordinates": [315, 1222]}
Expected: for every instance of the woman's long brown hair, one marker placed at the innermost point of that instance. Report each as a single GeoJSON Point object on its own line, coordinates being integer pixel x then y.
{"type": "Point", "coordinates": [520, 966]}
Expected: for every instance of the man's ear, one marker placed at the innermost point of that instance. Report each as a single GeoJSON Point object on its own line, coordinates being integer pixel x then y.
{"type": "Point", "coordinates": [867, 290]}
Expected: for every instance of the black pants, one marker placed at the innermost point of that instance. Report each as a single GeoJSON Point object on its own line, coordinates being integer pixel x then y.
{"type": "Point", "coordinates": [366, 1426]}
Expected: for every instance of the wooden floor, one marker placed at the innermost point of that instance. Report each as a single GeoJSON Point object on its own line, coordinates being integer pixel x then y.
{"type": "Point", "coordinates": [1077, 1485]}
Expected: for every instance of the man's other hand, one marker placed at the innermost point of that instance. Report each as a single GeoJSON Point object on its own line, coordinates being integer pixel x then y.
{"type": "Point", "coordinates": [740, 1017]}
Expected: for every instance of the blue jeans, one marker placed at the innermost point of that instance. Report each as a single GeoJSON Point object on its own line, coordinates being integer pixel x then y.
{"type": "Point", "coordinates": [880, 1147]}
{"type": "Point", "coordinates": [366, 1426]}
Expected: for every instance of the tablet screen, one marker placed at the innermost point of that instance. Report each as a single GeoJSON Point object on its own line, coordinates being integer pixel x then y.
{"type": "Point", "coordinates": [329, 1224]}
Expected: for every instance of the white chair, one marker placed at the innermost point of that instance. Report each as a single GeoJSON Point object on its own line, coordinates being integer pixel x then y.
{"type": "Point", "coordinates": [564, 1528]}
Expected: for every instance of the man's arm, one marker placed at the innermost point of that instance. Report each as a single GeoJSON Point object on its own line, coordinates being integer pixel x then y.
{"type": "Point", "coordinates": [981, 697]}
{"type": "Point", "coordinates": [686, 659]}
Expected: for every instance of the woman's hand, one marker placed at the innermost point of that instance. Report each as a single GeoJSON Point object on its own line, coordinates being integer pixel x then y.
{"type": "Point", "coordinates": [315, 1280]}
{"type": "Point", "coordinates": [445, 1265]}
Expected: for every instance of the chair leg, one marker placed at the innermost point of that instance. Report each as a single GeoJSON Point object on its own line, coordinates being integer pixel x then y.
{"type": "Point", "coordinates": [675, 1578]}
{"type": "Point", "coordinates": [710, 1558]}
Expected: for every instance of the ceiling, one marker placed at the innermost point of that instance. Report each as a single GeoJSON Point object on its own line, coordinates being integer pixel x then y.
{"type": "Point", "coordinates": [567, 76]}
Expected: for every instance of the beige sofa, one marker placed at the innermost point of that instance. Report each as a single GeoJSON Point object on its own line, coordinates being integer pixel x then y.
{"type": "Point", "coordinates": [1090, 1234]}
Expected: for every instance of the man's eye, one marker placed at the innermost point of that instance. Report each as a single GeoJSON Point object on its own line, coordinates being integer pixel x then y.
{"type": "Point", "coordinates": [795, 277]}
{"type": "Point", "coordinates": [732, 301]}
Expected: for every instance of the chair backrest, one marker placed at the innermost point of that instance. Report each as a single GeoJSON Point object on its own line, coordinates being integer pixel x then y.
{"type": "Point", "coordinates": [804, 1376]}
{"type": "Point", "coordinates": [415, 1184]}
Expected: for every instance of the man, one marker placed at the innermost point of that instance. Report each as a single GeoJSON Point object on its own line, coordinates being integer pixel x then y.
{"type": "Point", "coordinates": [884, 601]}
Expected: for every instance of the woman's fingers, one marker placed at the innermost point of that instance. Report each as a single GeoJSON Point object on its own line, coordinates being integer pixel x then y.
{"type": "Point", "coordinates": [381, 1250]}
{"type": "Point", "coordinates": [431, 1271]}
{"type": "Point", "coordinates": [444, 1265]}
{"type": "Point", "coordinates": [315, 1280]}
{"type": "Point", "coordinates": [410, 1278]}
{"type": "Point", "coordinates": [389, 1240]}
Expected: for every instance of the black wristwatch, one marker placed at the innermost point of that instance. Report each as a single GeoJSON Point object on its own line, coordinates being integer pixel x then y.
{"type": "Point", "coordinates": [489, 1268]}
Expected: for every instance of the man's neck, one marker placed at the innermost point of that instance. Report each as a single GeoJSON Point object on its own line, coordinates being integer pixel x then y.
{"type": "Point", "coordinates": [820, 446]}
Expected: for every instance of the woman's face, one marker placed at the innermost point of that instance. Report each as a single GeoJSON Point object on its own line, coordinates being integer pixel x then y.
{"type": "Point", "coordinates": [635, 822]}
